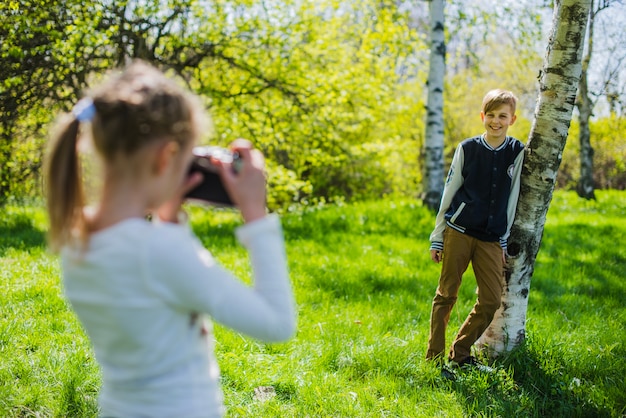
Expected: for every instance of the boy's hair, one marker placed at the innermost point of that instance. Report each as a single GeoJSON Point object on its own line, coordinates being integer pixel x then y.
{"type": "Point", "coordinates": [133, 108]}
{"type": "Point", "coordinates": [498, 97]}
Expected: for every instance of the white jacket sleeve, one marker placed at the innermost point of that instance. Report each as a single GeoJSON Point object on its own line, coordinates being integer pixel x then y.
{"type": "Point", "coordinates": [513, 198]}
{"type": "Point", "coordinates": [453, 184]}
{"type": "Point", "coordinates": [189, 279]}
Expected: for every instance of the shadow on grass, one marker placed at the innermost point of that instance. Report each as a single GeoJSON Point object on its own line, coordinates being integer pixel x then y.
{"type": "Point", "coordinates": [550, 387]}
{"type": "Point", "coordinates": [578, 274]}
{"type": "Point", "coordinates": [592, 254]}
{"type": "Point", "coordinates": [522, 386]}
{"type": "Point", "coordinates": [18, 231]}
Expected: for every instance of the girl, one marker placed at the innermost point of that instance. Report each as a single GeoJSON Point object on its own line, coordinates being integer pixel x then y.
{"type": "Point", "coordinates": [138, 287]}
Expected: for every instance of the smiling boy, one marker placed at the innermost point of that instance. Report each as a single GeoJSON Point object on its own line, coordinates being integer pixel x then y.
{"type": "Point", "coordinates": [473, 224]}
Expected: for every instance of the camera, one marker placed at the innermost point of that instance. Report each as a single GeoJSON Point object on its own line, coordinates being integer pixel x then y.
{"type": "Point", "coordinates": [211, 190]}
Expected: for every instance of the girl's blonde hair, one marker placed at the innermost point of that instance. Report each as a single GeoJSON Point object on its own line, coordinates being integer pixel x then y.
{"type": "Point", "coordinates": [498, 97]}
{"type": "Point", "coordinates": [131, 109]}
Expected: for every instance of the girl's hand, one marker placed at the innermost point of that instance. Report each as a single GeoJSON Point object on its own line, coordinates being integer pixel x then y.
{"type": "Point", "coordinates": [169, 211]}
{"type": "Point", "coordinates": [247, 187]}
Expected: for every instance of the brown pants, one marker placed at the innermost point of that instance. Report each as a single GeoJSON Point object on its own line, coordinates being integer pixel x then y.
{"type": "Point", "coordinates": [486, 257]}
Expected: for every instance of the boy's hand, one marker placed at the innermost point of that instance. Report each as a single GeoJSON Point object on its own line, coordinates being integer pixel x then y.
{"type": "Point", "coordinates": [436, 255]}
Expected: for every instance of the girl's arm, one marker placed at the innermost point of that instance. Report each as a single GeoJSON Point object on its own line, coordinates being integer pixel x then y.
{"type": "Point", "coordinates": [188, 278]}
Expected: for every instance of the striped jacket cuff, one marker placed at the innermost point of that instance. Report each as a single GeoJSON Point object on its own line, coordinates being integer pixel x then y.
{"type": "Point", "coordinates": [436, 245]}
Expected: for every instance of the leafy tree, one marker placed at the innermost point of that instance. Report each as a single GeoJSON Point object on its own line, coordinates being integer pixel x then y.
{"type": "Point", "coordinates": [41, 69]}
{"type": "Point", "coordinates": [330, 91]}
{"type": "Point", "coordinates": [315, 85]}
{"type": "Point", "coordinates": [27, 35]}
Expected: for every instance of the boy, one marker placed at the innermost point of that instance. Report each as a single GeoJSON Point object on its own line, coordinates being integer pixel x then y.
{"type": "Point", "coordinates": [473, 224]}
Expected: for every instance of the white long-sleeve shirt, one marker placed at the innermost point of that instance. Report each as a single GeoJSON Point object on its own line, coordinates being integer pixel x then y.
{"type": "Point", "coordinates": [138, 289]}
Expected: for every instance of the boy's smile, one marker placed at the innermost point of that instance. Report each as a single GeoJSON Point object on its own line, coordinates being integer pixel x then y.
{"type": "Point", "coordinates": [497, 122]}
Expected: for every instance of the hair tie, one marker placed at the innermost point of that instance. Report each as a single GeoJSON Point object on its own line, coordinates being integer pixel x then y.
{"type": "Point", "coordinates": [84, 110]}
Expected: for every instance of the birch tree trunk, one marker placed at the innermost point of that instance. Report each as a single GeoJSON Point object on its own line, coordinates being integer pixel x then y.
{"type": "Point", "coordinates": [433, 143]}
{"type": "Point", "coordinates": [557, 94]}
{"type": "Point", "coordinates": [585, 186]}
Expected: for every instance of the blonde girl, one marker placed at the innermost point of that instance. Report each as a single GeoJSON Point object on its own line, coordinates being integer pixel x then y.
{"type": "Point", "coordinates": [145, 290]}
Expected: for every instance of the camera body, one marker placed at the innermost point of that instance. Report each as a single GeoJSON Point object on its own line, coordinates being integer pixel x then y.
{"type": "Point", "coordinates": [211, 190]}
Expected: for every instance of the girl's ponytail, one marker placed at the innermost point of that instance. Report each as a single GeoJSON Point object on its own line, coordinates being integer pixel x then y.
{"type": "Point", "coordinates": [134, 108]}
{"type": "Point", "coordinates": [63, 185]}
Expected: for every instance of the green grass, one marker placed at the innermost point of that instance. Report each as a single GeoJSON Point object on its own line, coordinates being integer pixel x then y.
{"type": "Point", "coordinates": [364, 283]}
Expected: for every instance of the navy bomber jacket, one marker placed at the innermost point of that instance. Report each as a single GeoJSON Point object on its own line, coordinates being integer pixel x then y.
{"type": "Point", "coordinates": [481, 191]}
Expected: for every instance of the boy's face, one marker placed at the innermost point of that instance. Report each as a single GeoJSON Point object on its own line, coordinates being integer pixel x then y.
{"type": "Point", "coordinates": [497, 122]}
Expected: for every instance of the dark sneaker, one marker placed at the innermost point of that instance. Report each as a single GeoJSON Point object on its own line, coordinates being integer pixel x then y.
{"type": "Point", "coordinates": [448, 373]}
{"type": "Point", "coordinates": [471, 363]}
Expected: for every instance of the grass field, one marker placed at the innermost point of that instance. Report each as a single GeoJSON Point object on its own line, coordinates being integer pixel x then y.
{"type": "Point", "coordinates": [364, 283]}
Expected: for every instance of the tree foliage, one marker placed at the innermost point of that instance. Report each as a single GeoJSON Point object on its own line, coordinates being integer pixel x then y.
{"type": "Point", "coordinates": [332, 91]}
{"type": "Point", "coordinates": [313, 84]}
{"type": "Point", "coordinates": [42, 69]}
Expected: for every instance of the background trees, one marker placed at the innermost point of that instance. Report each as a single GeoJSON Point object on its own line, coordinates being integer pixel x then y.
{"type": "Point", "coordinates": [307, 82]}
{"type": "Point", "coordinates": [602, 84]}
{"type": "Point", "coordinates": [35, 77]}
{"type": "Point", "coordinates": [333, 92]}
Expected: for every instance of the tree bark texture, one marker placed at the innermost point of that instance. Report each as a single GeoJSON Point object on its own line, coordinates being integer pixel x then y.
{"type": "Point", "coordinates": [433, 144]}
{"type": "Point", "coordinates": [557, 94]}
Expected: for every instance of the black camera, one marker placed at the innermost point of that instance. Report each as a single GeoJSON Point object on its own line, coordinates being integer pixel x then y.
{"type": "Point", "coordinates": [211, 190]}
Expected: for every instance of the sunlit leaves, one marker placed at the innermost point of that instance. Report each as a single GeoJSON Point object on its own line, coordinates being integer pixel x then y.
{"type": "Point", "coordinates": [332, 91]}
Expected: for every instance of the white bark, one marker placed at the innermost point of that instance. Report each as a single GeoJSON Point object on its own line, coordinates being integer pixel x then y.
{"type": "Point", "coordinates": [557, 93]}
{"type": "Point", "coordinates": [433, 143]}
